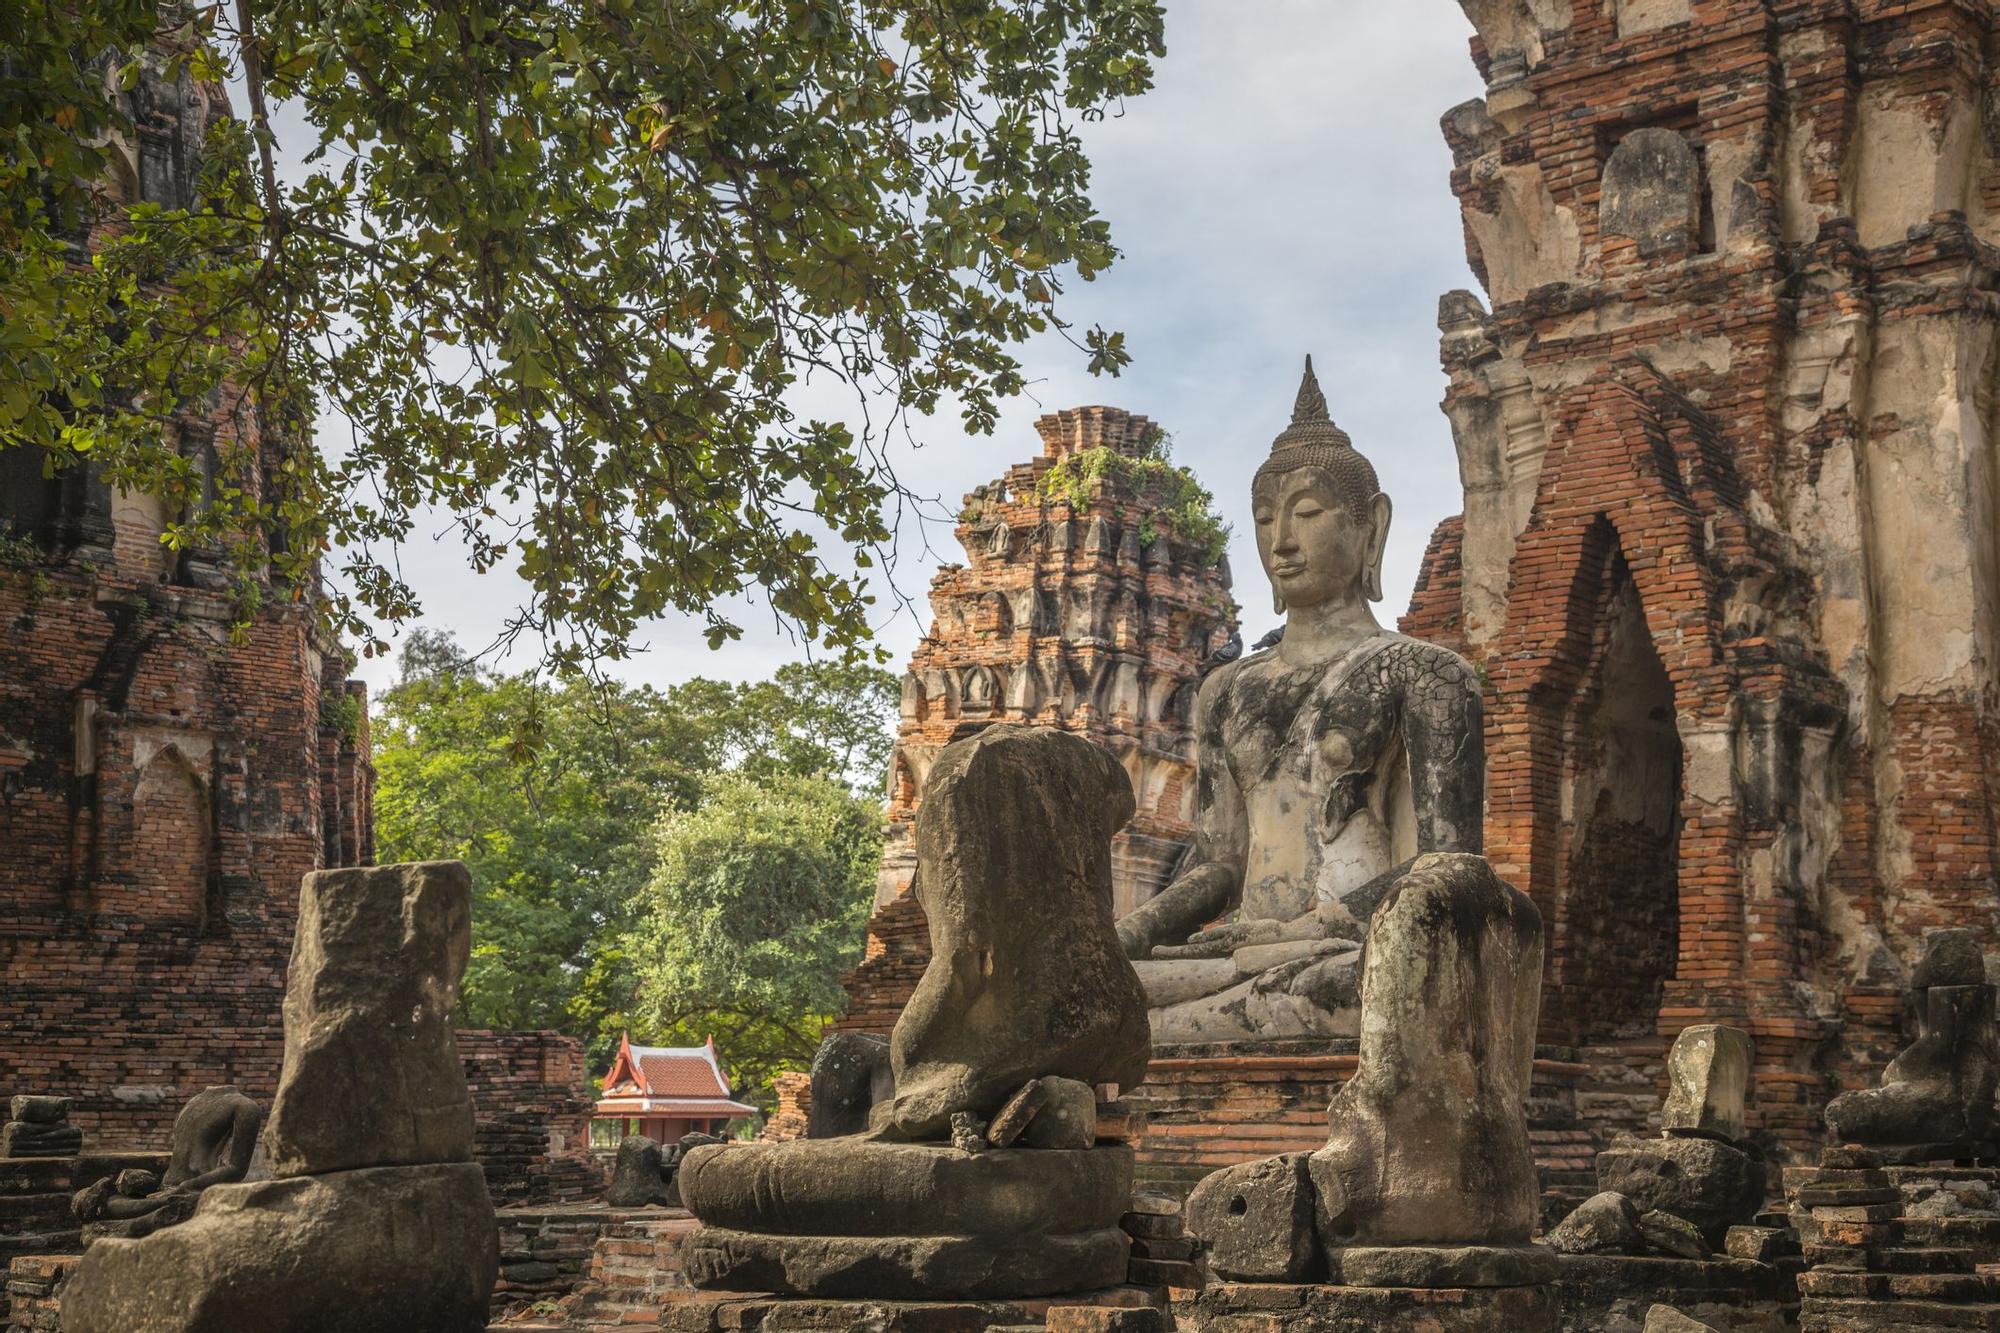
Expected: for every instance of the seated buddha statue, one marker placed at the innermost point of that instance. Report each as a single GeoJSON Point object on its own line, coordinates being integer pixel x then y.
{"type": "Point", "coordinates": [1325, 766]}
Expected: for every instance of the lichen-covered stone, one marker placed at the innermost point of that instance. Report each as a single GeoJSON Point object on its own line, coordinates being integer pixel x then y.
{"type": "Point", "coordinates": [1711, 1184]}
{"type": "Point", "coordinates": [1255, 1221]}
{"type": "Point", "coordinates": [379, 1250]}
{"type": "Point", "coordinates": [1605, 1223]}
{"type": "Point", "coordinates": [1428, 1142]}
{"type": "Point", "coordinates": [1651, 191]}
{"type": "Point", "coordinates": [1666, 1319]}
{"type": "Point", "coordinates": [371, 1074]}
{"type": "Point", "coordinates": [1708, 1070]}
{"type": "Point", "coordinates": [1026, 977]}
{"type": "Point", "coordinates": [1673, 1236]}
{"type": "Point", "coordinates": [1445, 1267]}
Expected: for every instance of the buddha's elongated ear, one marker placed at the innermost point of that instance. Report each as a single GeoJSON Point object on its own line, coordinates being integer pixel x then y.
{"type": "Point", "coordinates": [1378, 541]}
{"type": "Point", "coordinates": [1277, 603]}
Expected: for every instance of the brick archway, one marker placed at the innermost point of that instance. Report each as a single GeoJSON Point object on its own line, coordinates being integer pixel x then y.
{"type": "Point", "coordinates": [1636, 511]}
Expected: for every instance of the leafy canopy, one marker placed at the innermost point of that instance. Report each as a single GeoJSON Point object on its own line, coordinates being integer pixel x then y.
{"type": "Point", "coordinates": [550, 793]}
{"type": "Point", "coordinates": [553, 270]}
{"type": "Point", "coordinates": [758, 902]}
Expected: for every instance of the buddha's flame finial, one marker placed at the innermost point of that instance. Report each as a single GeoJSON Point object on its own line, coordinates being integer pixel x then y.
{"type": "Point", "coordinates": [1311, 405]}
{"type": "Point", "coordinates": [1312, 440]}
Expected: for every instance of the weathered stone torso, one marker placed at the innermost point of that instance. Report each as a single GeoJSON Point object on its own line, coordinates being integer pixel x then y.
{"type": "Point", "coordinates": [1317, 750]}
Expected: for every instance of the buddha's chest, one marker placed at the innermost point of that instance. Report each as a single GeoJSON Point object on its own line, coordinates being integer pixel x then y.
{"type": "Point", "coordinates": [1312, 727]}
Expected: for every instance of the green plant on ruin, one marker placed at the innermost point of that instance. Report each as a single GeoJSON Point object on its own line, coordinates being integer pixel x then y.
{"type": "Point", "coordinates": [552, 270]}
{"type": "Point", "coordinates": [341, 714]}
{"type": "Point", "coordinates": [25, 565]}
{"type": "Point", "coordinates": [1178, 500]}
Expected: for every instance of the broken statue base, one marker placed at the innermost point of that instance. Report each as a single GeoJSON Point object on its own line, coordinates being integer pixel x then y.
{"type": "Point", "coordinates": [860, 1218]}
{"type": "Point", "coordinates": [1255, 1307]}
{"type": "Point", "coordinates": [1114, 1310]}
{"type": "Point", "coordinates": [391, 1248]}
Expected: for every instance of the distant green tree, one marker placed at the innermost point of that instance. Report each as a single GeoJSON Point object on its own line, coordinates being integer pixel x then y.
{"type": "Point", "coordinates": [826, 719]}
{"type": "Point", "coordinates": [545, 793]}
{"type": "Point", "coordinates": [550, 793]}
{"type": "Point", "coordinates": [758, 902]}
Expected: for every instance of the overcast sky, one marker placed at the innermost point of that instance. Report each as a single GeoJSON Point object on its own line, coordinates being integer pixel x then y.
{"type": "Point", "coordinates": [1283, 190]}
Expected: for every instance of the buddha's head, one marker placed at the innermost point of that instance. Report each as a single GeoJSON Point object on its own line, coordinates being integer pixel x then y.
{"type": "Point", "coordinates": [1322, 521]}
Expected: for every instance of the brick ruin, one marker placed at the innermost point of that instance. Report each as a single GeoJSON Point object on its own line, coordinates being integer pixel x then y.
{"type": "Point", "coordinates": [1730, 559]}
{"type": "Point", "coordinates": [165, 783]}
{"type": "Point", "coordinates": [1095, 619]}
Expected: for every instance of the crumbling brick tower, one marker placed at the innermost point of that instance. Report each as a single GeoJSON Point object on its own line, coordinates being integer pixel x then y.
{"type": "Point", "coordinates": [1095, 617]}
{"type": "Point", "coordinates": [163, 787]}
{"type": "Point", "coordinates": [1730, 560]}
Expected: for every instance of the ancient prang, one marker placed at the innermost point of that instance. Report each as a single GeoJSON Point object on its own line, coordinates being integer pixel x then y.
{"type": "Point", "coordinates": [1082, 607]}
{"type": "Point", "coordinates": [375, 1218]}
{"type": "Point", "coordinates": [1725, 428]}
{"type": "Point", "coordinates": [982, 1178]}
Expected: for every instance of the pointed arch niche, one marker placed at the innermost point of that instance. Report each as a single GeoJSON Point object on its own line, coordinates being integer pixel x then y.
{"type": "Point", "coordinates": [172, 844]}
{"type": "Point", "coordinates": [1617, 926]}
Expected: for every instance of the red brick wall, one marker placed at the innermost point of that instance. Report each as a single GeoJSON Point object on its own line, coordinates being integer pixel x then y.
{"type": "Point", "coordinates": [1678, 413]}
{"type": "Point", "coordinates": [166, 799]}
{"type": "Point", "coordinates": [531, 1100]}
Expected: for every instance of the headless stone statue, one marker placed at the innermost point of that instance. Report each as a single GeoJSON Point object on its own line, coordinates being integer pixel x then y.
{"type": "Point", "coordinates": [981, 1176]}
{"type": "Point", "coordinates": [215, 1141]}
{"type": "Point", "coordinates": [1936, 1098]}
{"type": "Point", "coordinates": [1426, 1179]}
{"type": "Point", "coordinates": [1325, 766]}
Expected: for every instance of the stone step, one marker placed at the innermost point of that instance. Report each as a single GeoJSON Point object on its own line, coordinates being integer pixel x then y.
{"type": "Point", "coordinates": [41, 1242]}
{"type": "Point", "coordinates": [17, 1209]}
{"type": "Point", "coordinates": [1818, 1315]}
{"type": "Point", "coordinates": [1889, 1259]}
{"type": "Point", "coordinates": [1836, 1283]}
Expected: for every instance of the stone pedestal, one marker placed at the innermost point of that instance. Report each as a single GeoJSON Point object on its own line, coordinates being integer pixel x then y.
{"type": "Point", "coordinates": [1114, 1310]}
{"type": "Point", "coordinates": [915, 1268]}
{"type": "Point", "coordinates": [1246, 1307]}
{"type": "Point", "coordinates": [1615, 1291]}
{"type": "Point", "coordinates": [35, 1195]}
{"type": "Point", "coordinates": [719, 1312]}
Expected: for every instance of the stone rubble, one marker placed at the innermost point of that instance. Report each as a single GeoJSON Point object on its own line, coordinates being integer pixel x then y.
{"type": "Point", "coordinates": [1871, 1267]}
